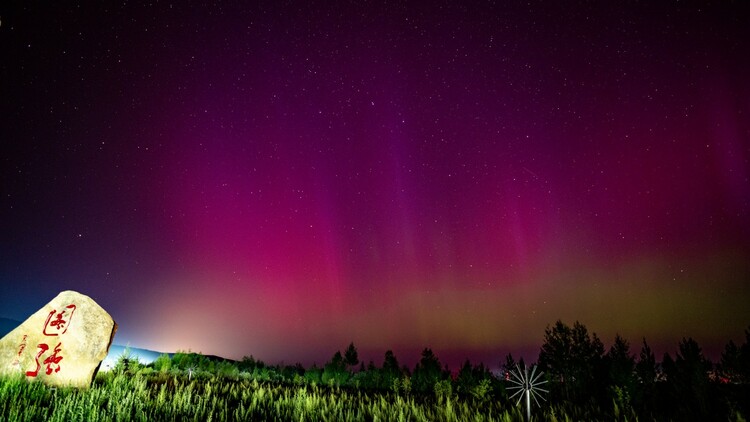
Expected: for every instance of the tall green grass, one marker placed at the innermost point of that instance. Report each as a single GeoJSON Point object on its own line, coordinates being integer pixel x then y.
{"type": "Point", "coordinates": [159, 396]}
{"type": "Point", "coordinates": [170, 395]}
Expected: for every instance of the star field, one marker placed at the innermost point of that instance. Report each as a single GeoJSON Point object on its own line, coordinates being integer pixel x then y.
{"type": "Point", "coordinates": [282, 179]}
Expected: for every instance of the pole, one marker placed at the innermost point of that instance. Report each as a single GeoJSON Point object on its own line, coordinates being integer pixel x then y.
{"type": "Point", "coordinates": [528, 405]}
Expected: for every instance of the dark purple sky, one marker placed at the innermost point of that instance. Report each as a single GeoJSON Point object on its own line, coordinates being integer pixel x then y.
{"type": "Point", "coordinates": [279, 180]}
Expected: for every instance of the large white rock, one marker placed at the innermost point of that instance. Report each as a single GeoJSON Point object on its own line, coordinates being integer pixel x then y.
{"type": "Point", "coordinates": [62, 344]}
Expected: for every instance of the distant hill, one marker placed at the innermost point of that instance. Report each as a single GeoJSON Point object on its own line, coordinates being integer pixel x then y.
{"type": "Point", "coordinates": [7, 325]}
{"type": "Point", "coordinates": [145, 356]}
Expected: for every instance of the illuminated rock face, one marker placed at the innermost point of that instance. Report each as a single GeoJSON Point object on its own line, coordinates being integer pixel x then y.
{"type": "Point", "coordinates": [62, 344]}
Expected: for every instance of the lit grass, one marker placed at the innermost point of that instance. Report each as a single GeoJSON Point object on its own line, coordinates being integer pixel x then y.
{"type": "Point", "coordinates": [162, 397]}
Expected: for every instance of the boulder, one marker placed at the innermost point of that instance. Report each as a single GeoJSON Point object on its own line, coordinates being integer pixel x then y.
{"type": "Point", "coordinates": [62, 344]}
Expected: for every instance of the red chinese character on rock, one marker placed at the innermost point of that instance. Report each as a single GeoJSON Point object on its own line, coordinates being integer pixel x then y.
{"type": "Point", "coordinates": [42, 348]}
{"type": "Point", "coordinates": [59, 325]}
{"type": "Point", "coordinates": [53, 360]}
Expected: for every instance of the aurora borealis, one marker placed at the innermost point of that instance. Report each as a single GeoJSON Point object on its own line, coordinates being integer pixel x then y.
{"type": "Point", "coordinates": [278, 180]}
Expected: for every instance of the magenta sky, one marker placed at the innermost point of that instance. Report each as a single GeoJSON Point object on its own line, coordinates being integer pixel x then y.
{"type": "Point", "coordinates": [279, 181]}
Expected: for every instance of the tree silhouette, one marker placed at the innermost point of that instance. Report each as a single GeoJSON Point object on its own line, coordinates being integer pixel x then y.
{"type": "Point", "coordinates": [510, 365]}
{"type": "Point", "coordinates": [645, 371]}
{"type": "Point", "coordinates": [573, 359]}
{"type": "Point", "coordinates": [469, 377]}
{"type": "Point", "coordinates": [646, 366]}
{"type": "Point", "coordinates": [729, 363]}
{"type": "Point", "coordinates": [334, 371]}
{"type": "Point", "coordinates": [687, 380]}
{"type": "Point", "coordinates": [735, 360]}
{"type": "Point", "coordinates": [391, 372]}
{"type": "Point", "coordinates": [249, 364]}
{"type": "Point", "coordinates": [743, 362]}
{"type": "Point", "coordinates": [620, 364]}
{"type": "Point", "coordinates": [351, 357]}
{"type": "Point", "coordinates": [427, 372]}
{"type": "Point", "coordinates": [692, 370]}
{"type": "Point", "coordinates": [390, 363]}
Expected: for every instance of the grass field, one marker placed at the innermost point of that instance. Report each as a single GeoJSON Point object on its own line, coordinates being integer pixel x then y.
{"type": "Point", "coordinates": [189, 386]}
{"type": "Point", "coordinates": [158, 396]}
{"type": "Point", "coordinates": [165, 397]}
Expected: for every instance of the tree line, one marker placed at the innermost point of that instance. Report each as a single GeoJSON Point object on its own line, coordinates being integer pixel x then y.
{"type": "Point", "coordinates": [686, 387]}
{"type": "Point", "coordinates": [581, 374]}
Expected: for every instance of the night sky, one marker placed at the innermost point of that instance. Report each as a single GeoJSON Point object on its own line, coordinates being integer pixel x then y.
{"type": "Point", "coordinates": [279, 179]}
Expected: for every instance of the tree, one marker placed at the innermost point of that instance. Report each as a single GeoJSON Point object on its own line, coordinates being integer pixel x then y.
{"type": "Point", "coordinates": [687, 379]}
{"type": "Point", "coordinates": [465, 380]}
{"type": "Point", "coordinates": [163, 363]}
{"type": "Point", "coordinates": [291, 372]}
{"type": "Point", "coordinates": [335, 371]}
{"type": "Point", "coordinates": [743, 361]}
{"type": "Point", "coordinates": [735, 360]}
{"type": "Point", "coordinates": [184, 360]}
{"type": "Point", "coordinates": [510, 365]}
{"type": "Point", "coordinates": [368, 377]}
{"type": "Point", "coordinates": [729, 362]}
{"type": "Point", "coordinates": [470, 377]}
{"type": "Point", "coordinates": [620, 364]}
{"type": "Point", "coordinates": [390, 363]}
{"type": "Point", "coordinates": [337, 361]}
{"type": "Point", "coordinates": [249, 364]}
{"type": "Point", "coordinates": [645, 371]}
{"type": "Point", "coordinates": [690, 362]}
{"type": "Point", "coordinates": [313, 375]}
{"type": "Point", "coordinates": [127, 362]}
{"type": "Point", "coordinates": [351, 357]}
{"type": "Point", "coordinates": [646, 366]}
{"type": "Point", "coordinates": [573, 358]}
{"type": "Point", "coordinates": [391, 371]}
{"type": "Point", "coordinates": [427, 372]}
